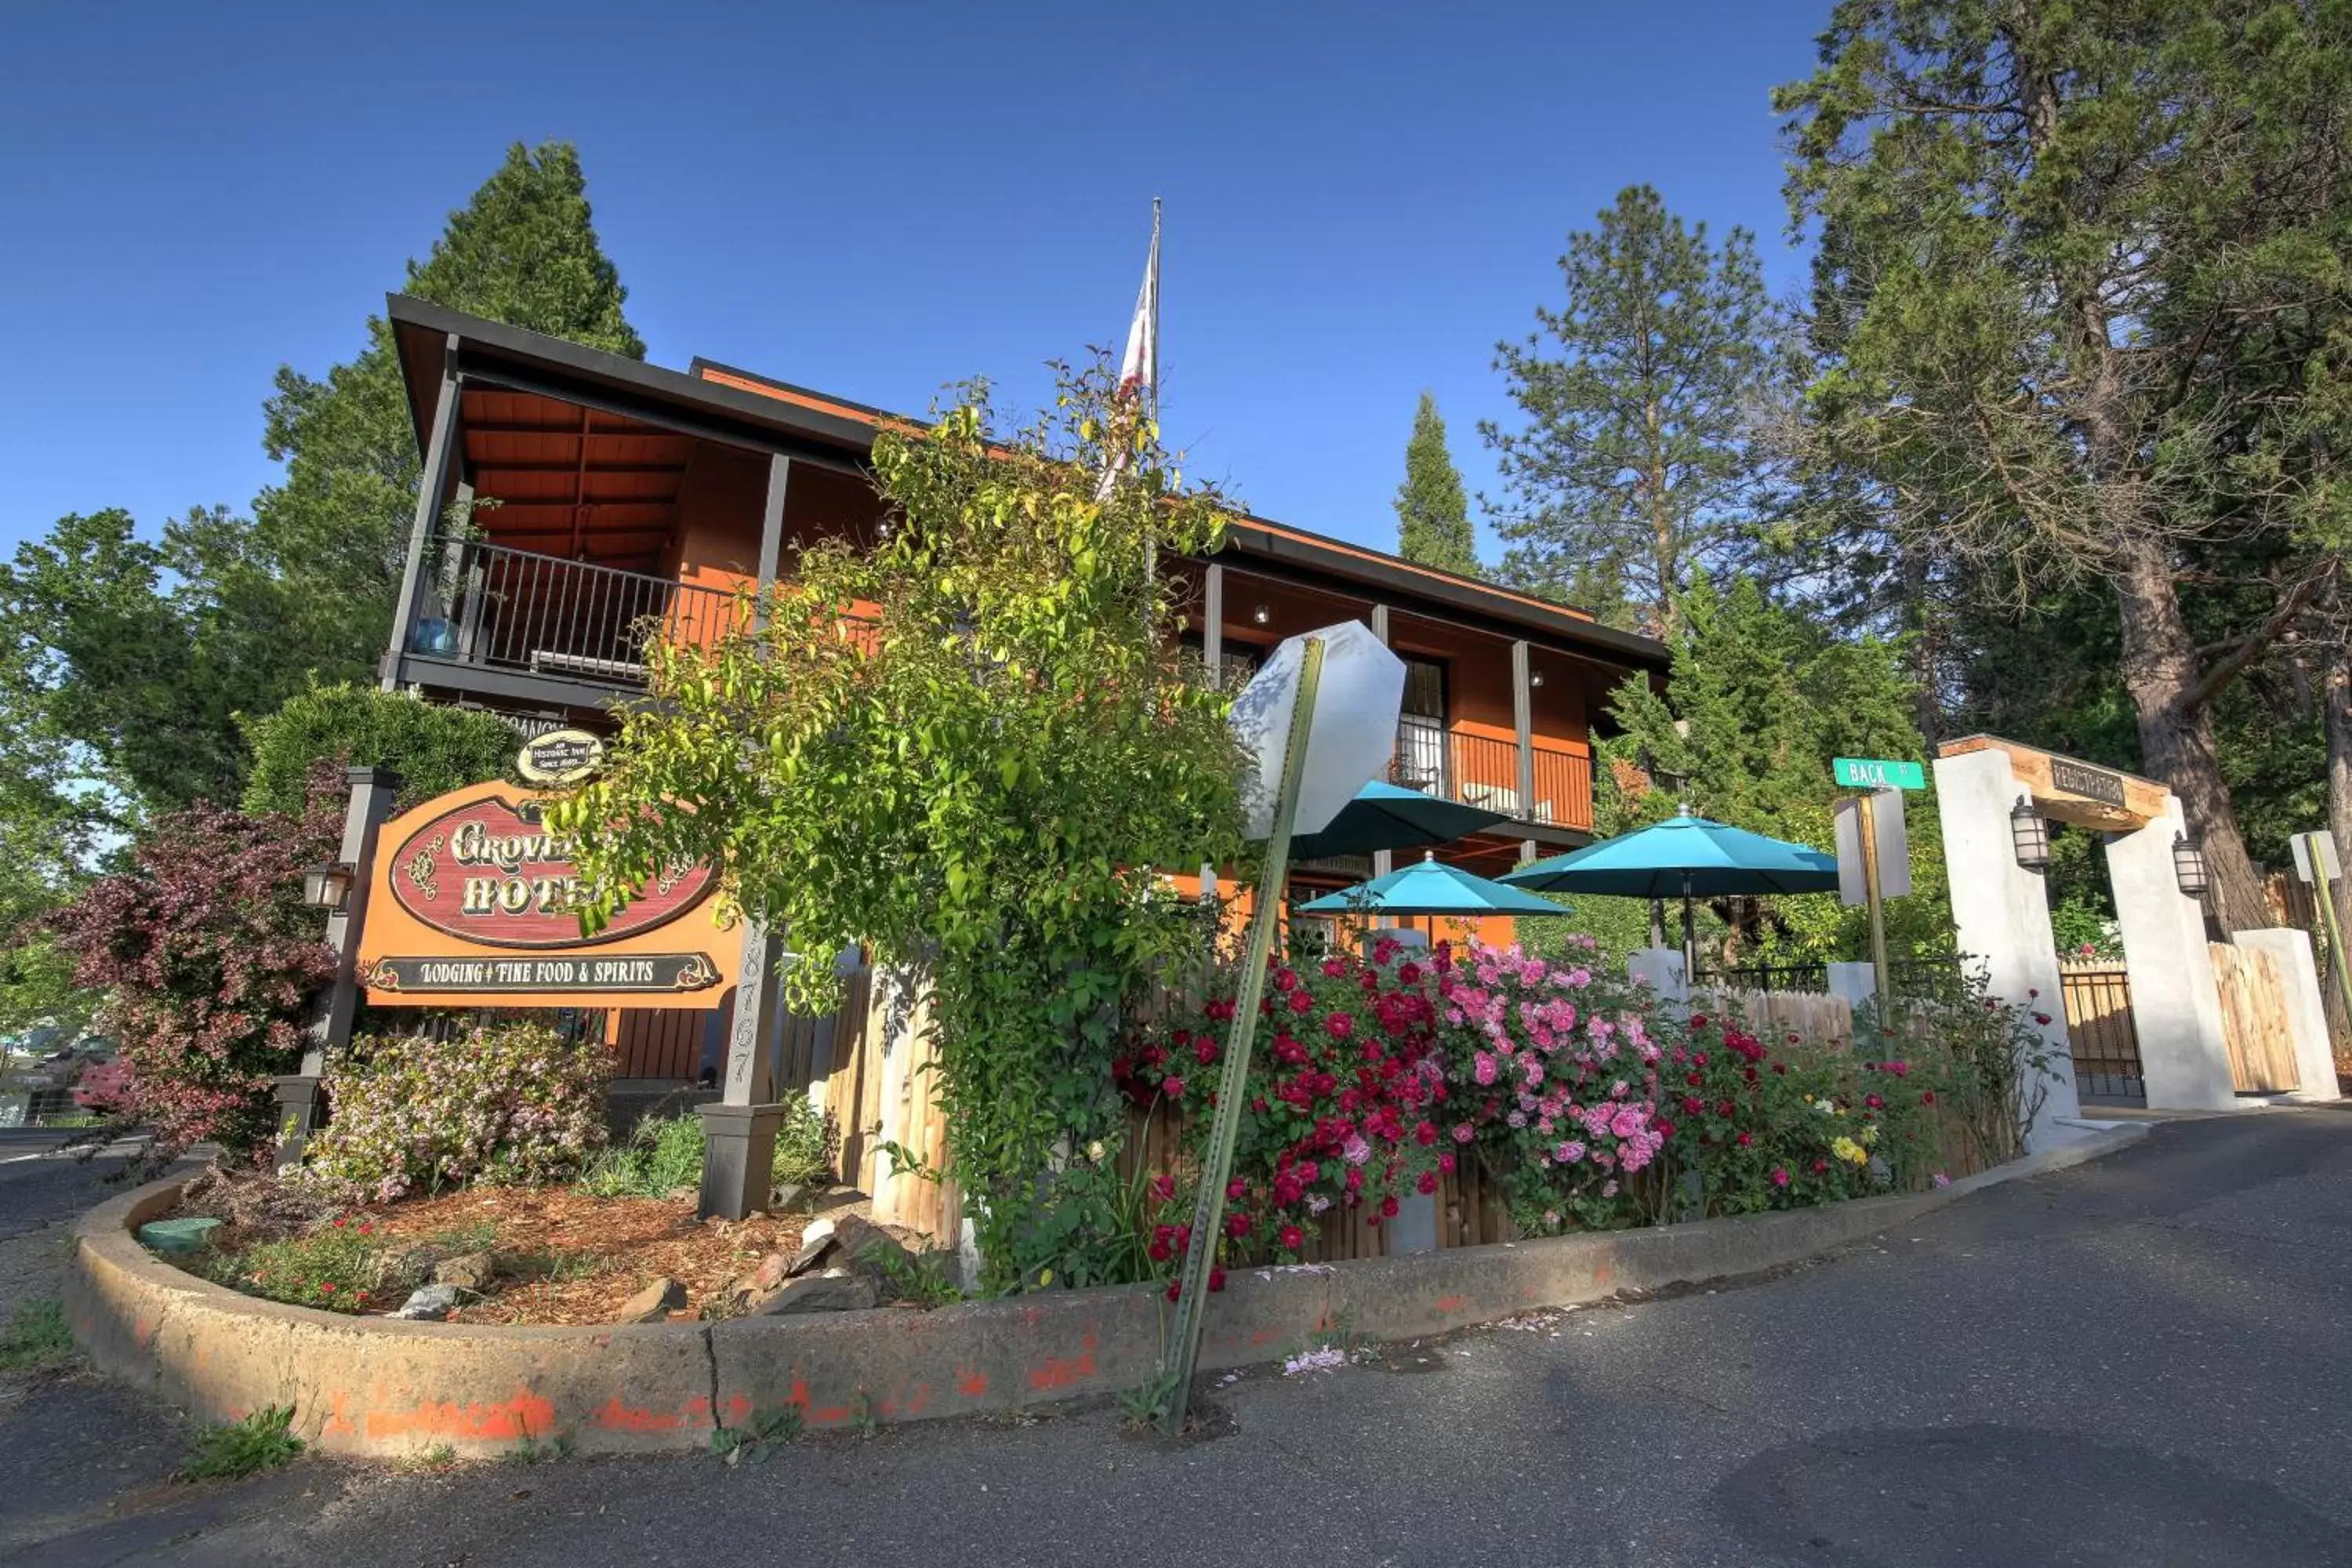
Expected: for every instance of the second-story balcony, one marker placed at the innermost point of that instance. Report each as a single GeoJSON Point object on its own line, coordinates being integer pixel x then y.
{"type": "Point", "coordinates": [501, 608]}
{"type": "Point", "coordinates": [1555, 789]}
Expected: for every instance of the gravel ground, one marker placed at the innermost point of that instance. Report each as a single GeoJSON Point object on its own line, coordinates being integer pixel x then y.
{"type": "Point", "coordinates": [2137, 1360]}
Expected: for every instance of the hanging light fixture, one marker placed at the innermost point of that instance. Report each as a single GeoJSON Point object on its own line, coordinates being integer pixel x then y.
{"type": "Point", "coordinates": [1261, 614]}
{"type": "Point", "coordinates": [2030, 836]}
{"type": "Point", "coordinates": [326, 887]}
{"type": "Point", "coordinates": [2189, 866]}
{"type": "Point", "coordinates": [1536, 678]}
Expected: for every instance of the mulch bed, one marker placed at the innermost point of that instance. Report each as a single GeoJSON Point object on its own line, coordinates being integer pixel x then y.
{"type": "Point", "coordinates": [593, 1253]}
{"type": "Point", "coordinates": [566, 1257]}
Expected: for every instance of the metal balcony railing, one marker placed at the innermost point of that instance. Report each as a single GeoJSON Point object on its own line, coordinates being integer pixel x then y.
{"type": "Point", "coordinates": [512, 610]}
{"type": "Point", "coordinates": [1483, 770]}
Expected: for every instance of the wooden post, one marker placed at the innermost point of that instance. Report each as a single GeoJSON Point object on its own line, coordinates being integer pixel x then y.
{"type": "Point", "coordinates": [1523, 715]}
{"type": "Point", "coordinates": [1212, 624]}
{"type": "Point", "coordinates": [373, 791]}
{"type": "Point", "coordinates": [1233, 1080]}
{"type": "Point", "coordinates": [440, 456]}
{"type": "Point", "coordinates": [1866, 823]}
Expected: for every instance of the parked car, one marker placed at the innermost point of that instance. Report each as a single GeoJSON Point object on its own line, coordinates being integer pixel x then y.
{"type": "Point", "coordinates": [104, 1087]}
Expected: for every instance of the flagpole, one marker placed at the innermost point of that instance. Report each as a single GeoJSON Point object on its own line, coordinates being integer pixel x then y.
{"type": "Point", "coordinates": [1151, 275]}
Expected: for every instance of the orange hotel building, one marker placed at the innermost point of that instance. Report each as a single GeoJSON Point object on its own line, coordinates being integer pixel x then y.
{"type": "Point", "coordinates": [633, 501]}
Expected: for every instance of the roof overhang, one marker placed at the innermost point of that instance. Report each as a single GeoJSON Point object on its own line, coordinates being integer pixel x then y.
{"type": "Point", "coordinates": [720, 403]}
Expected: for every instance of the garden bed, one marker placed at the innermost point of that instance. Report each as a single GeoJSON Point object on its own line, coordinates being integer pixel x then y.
{"type": "Point", "coordinates": [560, 1256]}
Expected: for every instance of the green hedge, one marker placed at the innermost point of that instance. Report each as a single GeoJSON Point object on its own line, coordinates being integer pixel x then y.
{"type": "Point", "coordinates": [434, 749]}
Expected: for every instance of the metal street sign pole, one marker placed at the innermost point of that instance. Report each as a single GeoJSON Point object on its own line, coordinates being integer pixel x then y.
{"type": "Point", "coordinates": [1233, 1081]}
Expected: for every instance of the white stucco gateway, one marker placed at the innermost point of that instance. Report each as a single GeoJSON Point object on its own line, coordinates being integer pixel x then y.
{"type": "Point", "coordinates": [2001, 911]}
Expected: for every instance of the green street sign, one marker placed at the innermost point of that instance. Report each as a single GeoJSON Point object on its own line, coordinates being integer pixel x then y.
{"type": "Point", "coordinates": [1865, 772]}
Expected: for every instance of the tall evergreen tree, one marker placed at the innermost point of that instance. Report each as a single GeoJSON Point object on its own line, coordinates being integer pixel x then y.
{"type": "Point", "coordinates": [1433, 511]}
{"type": "Point", "coordinates": [138, 656]}
{"type": "Point", "coordinates": [1635, 469]}
{"type": "Point", "coordinates": [2081, 277]}
{"type": "Point", "coordinates": [329, 544]}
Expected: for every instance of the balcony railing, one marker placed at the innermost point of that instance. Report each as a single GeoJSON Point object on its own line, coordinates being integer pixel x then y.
{"type": "Point", "coordinates": [1482, 770]}
{"type": "Point", "coordinates": [511, 609]}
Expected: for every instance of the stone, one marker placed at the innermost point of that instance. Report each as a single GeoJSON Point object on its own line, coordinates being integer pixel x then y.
{"type": "Point", "coordinates": [686, 1192]}
{"type": "Point", "coordinates": [791, 1198]}
{"type": "Point", "coordinates": [861, 1245]}
{"type": "Point", "coordinates": [828, 1293]}
{"type": "Point", "coordinates": [654, 1304]}
{"type": "Point", "coordinates": [815, 1243]}
{"type": "Point", "coordinates": [774, 1269]}
{"type": "Point", "coordinates": [177, 1237]}
{"type": "Point", "coordinates": [470, 1271]}
{"type": "Point", "coordinates": [428, 1304]}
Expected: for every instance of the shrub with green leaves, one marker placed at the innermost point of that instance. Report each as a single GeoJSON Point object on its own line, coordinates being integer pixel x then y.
{"type": "Point", "coordinates": [433, 747]}
{"type": "Point", "coordinates": [506, 1104]}
{"type": "Point", "coordinates": [665, 1153]}
{"type": "Point", "coordinates": [346, 1266]}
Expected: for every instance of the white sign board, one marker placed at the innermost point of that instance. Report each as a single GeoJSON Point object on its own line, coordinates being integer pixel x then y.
{"type": "Point", "coordinates": [1354, 732]}
{"type": "Point", "coordinates": [2314, 856]}
{"type": "Point", "coordinates": [1885, 807]}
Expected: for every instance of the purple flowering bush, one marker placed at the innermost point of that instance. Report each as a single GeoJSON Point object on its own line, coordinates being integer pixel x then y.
{"type": "Point", "coordinates": [503, 1104]}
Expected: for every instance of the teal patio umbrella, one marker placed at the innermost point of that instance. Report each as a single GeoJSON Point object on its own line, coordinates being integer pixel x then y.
{"type": "Point", "coordinates": [1388, 816]}
{"type": "Point", "coordinates": [1689, 857]}
{"type": "Point", "coordinates": [1430, 887]}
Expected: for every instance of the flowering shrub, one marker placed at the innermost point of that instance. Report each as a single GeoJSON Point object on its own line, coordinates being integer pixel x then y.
{"type": "Point", "coordinates": [1590, 1105]}
{"type": "Point", "coordinates": [345, 1265]}
{"type": "Point", "coordinates": [209, 957]}
{"type": "Point", "coordinates": [1346, 1088]}
{"type": "Point", "coordinates": [503, 1103]}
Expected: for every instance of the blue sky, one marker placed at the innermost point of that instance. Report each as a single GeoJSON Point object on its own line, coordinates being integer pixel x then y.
{"type": "Point", "coordinates": [870, 200]}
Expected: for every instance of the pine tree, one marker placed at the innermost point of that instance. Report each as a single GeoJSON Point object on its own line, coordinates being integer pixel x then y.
{"type": "Point", "coordinates": [1433, 511]}
{"type": "Point", "coordinates": [1635, 470]}
{"type": "Point", "coordinates": [322, 561]}
{"type": "Point", "coordinates": [1759, 699]}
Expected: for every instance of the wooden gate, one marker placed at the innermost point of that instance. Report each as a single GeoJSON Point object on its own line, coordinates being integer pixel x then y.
{"type": "Point", "coordinates": [2255, 1021]}
{"type": "Point", "coordinates": [2099, 1022]}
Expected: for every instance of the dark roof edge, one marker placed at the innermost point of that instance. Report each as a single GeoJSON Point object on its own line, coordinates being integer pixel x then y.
{"type": "Point", "coordinates": [1258, 537]}
{"type": "Point", "coordinates": [620, 372]}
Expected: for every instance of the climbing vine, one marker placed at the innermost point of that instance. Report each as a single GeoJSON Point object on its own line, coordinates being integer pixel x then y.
{"type": "Point", "coordinates": [968, 742]}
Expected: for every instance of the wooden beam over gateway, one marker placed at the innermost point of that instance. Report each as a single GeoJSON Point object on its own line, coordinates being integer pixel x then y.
{"type": "Point", "coordinates": [2068, 789]}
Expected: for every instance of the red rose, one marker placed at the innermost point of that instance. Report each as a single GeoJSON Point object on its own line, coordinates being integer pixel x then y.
{"type": "Point", "coordinates": [1425, 1134]}
{"type": "Point", "coordinates": [1161, 1252]}
{"type": "Point", "coordinates": [1744, 1140]}
{"type": "Point", "coordinates": [1873, 1101]}
{"type": "Point", "coordinates": [1204, 1051]}
{"type": "Point", "coordinates": [1691, 1079]}
{"type": "Point", "coordinates": [1237, 1225]}
{"type": "Point", "coordinates": [1445, 1162]}
{"type": "Point", "coordinates": [1172, 1087]}
{"type": "Point", "coordinates": [1174, 1286]}
{"type": "Point", "coordinates": [1927, 1097]}
{"type": "Point", "coordinates": [1388, 1205]}
{"type": "Point", "coordinates": [1292, 1238]}
{"type": "Point", "coordinates": [1338, 1024]}
{"type": "Point", "coordinates": [1698, 1021]}
{"type": "Point", "coordinates": [1285, 979]}
{"type": "Point", "coordinates": [1302, 1001]}
{"type": "Point", "coordinates": [1665, 1129]}
{"type": "Point", "coordinates": [1427, 1184]}
{"type": "Point", "coordinates": [1216, 1279]}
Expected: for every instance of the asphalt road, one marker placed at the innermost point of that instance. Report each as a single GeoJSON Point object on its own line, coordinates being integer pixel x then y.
{"type": "Point", "coordinates": [2141, 1360]}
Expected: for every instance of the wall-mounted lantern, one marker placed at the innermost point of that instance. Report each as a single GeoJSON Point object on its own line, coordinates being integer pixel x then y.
{"type": "Point", "coordinates": [1536, 678]}
{"type": "Point", "coordinates": [2189, 866]}
{"type": "Point", "coordinates": [2030, 836]}
{"type": "Point", "coordinates": [1261, 614]}
{"type": "Point", "coordinates": [326, 887]}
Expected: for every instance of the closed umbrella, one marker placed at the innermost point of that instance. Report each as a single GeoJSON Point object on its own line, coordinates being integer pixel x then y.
{"type": "Point", "coordinates": [1692, 856]}
{"type": "Point", "coordinates": [1430, 887]}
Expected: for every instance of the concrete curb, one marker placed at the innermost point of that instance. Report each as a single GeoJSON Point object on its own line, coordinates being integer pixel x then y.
{"type": "Point", "coordinates": [373, 1386]}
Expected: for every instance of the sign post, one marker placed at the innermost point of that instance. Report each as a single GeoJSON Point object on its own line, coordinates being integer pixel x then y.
{"type": "Point", "coordinates": [1870, 834]}
{"type": "Point", "coordinates": [1314, 769]}
{"type": "Point", "coordinates": [2316, 864]}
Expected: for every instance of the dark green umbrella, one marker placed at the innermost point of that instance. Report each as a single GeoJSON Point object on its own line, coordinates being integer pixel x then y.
{"type": "Point", "coordinates": [1386, 817]}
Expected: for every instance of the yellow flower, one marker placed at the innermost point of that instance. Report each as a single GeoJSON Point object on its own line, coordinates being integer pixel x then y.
{"type": "Point", "coordinates": [1848, 1149]}
{"type": "Point", "coordinates": [1869, 1136]}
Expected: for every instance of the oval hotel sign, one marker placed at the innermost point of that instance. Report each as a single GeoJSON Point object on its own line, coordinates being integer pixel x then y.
{"type": "Point", "coordinates": [473, 902]}
{"type": "Point", "coordinates": [489, 871]}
